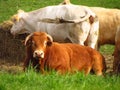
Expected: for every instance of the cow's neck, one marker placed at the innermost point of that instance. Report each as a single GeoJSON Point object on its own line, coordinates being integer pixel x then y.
{"type": "Point", "coordinates": [30, 23]}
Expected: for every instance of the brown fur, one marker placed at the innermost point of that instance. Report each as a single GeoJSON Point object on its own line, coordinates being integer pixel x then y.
{"type": "Point", "coordinates": [64, 57]}
{"type": "Point", "coordinates": [29, 60]}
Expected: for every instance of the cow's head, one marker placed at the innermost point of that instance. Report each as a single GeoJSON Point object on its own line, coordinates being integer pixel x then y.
{"type": "Point", "coordinates": [38, 41]}
{"type": "Point", "coordinates": [18, 23]}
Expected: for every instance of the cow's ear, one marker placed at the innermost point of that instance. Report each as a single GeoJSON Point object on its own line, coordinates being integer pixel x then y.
{"type": "Point", "coordinates": [50, 40]}
{"type": "Point", "coordinates": [21, 13]}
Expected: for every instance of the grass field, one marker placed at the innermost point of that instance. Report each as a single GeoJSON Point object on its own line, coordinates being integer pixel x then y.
{"type": "Point", "coordinates": [10, 7]}
{"type": "Point", "coordinates": [35, 81]}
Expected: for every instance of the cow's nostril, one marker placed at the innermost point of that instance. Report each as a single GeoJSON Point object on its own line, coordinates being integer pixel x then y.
{"type": "Point", "coordinates": [41, 53]}
{"type": "Point", "coordinates": [35, 53]}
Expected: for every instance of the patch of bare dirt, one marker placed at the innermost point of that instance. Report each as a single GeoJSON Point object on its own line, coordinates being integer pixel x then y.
{"type": "Point", "coordinates": [109, 63]}
{"type": "Point", "coordinates": [11, 67]}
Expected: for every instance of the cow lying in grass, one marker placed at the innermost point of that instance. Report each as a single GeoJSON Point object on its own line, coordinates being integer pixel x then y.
{"type": "Point", "coordinates": [70, 22]}
{"type": "Point", "coordinates": [62, 57]}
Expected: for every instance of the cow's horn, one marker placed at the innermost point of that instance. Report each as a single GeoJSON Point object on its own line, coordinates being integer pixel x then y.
{"type": "Point", "coordinates": [50, 40]}
{"type": "Point", "coordinates": [27, 38]}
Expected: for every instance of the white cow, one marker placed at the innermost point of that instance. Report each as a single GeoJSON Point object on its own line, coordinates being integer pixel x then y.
{"type": "Point", "coordinates": [84, 27]}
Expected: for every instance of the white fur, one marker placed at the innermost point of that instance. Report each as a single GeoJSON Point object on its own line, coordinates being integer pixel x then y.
{"type": "Point", "coordinates": [75, 32]}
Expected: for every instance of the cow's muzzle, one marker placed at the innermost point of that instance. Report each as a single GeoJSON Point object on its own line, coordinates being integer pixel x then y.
{"type": "Point", "coordinates": [38, 54]}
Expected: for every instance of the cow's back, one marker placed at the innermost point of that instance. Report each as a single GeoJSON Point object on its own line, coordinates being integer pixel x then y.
{"type": "Point", "coordinates": [80, 58]}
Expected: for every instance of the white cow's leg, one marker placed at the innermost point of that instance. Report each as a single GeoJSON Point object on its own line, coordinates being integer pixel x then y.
{"type": "Point", "coordinates": [79, 33]}
{"type": "Point", "coordinates": [83, 32]}
{"type": "Point", "coordinates": [93, 35]}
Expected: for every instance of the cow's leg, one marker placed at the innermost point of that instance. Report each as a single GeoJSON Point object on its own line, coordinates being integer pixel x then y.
{"type": "Point", "coordinates": [80, 33]}
{"type": "Point", "coordinates": [93, 35]}
{"type": "Point", "coordinates": [99, 65]}
{"type": "Point", "coordinates": [28, 59]}
{"type": "Point", "coordinates": [35, 63]}
{"type": "Point", "coordinates": [26, 63]}
{"type": "Point", "coordinates": [63, 69]}
{"type": "Point", "coordinates": [98, 70]}
{"type": "Point", "coordinates": [87, 70]}
{"type": "Point", "coordinates": [116, 62]}
{"type": "Point", "coordinates": [85, 29]}
{"type": "Point", "coordinates": [42, 66]}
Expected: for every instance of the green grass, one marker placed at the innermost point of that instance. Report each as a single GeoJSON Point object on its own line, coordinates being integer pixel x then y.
{"type": "Point", "coordinates": [53, 81]}
{"type": "Point", "coordinates": [99, 3]}
{"type": "Point", "coordinates": [107, 49]}
{"type": "Point", "coordinates": [10, 7]}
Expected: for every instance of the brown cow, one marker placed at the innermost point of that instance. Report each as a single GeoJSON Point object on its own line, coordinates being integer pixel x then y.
{"type": "Point", "coordinates": [63, 57]}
